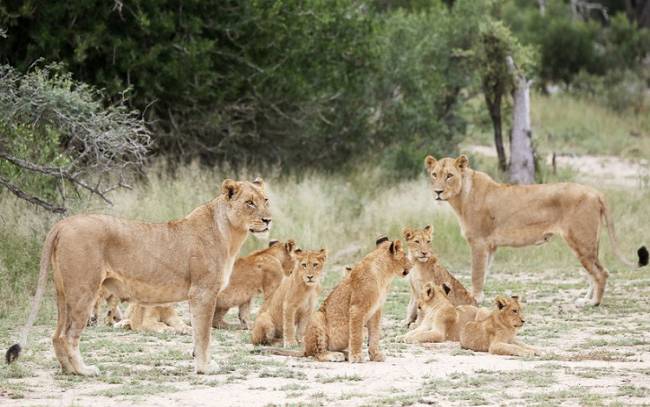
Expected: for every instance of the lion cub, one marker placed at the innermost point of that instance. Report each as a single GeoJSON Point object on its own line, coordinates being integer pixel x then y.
{"type": "Point", "coordinates": [496, 333]}
{"type": "Point", "coordinates": [150, 318]}
{"type": "Point", "coordinates": [438, 319]}
{"type": "Point", "coordinates": [426, 268]}
{"type": "Point", "coordinates": [287, 312]}
{"type": "Point", "coordinates": [356, 301]}
{"type": "Point", "coordinates": [259, 272]}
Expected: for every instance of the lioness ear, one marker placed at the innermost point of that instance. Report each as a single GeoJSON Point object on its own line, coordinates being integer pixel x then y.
{"type": "Point", "coordinates": [462, 162]}
{"type": "Point", "coordinates": [408, 233]}
{"type": "Point", "coordinates": [273, 242]}
{"type": "Point", "coordinates": [259, 182]}
{"type": "Point", "coordinates": [230, 188]}
{"type": "Point", "coordinates": [446, 288]}
{"type": "Point", "coordinates": [381, 239]}
{"type": "Point", "coordinates": [322, 254]}
{"type": "Point", "coordinates": [429, 230]}
{"type": "Point", "coordinates": [501, 301]}
{"type": "Point", "coordinates": [290, 246]}
{"type": "Point", "coordinates": [429, 162]}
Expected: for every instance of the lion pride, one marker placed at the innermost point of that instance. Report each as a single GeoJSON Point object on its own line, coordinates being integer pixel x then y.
{"type": "Point", "coordinates": [146, 263]}
{"type": "Point", "coordinates": [493, 215]}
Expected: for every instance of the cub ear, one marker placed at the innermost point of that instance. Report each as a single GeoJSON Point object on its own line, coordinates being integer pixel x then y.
{"type": "Point", "coordinates": [408, 233]}
{"type": "Point", "coordinates": [290, 246]}
{"type": "Point", "coordinates": [429, 229]}
{"type": "Point", "coordinates": [515, 298]}
{"type": "Point", "coordinates": [381, 239]}
{"type": "Point", "coordinates": [429, 290]}
{"type": "Point", "coordinates": [429, 162]}
{"type": "Point", "coordinates": [395, 246]}
{"type": "Point", "coordinates": [348, 269]}
{"type": "Point", "coordinates": [273, 242]}
{"type": "Point", "coordinates": [230, 188]}
{"type": "Point", "coordinates": [462, 162]}
{"type": "Point", "coordinates": [298, 250]}
{"type": "Point", "coordinates": [446, 288]}
{"type": "Point", "coordinates": [322, 254]}
{"type": "Point", "coordinates": [501, 301]}
{"type": "Point", "coordinates": [259, 182]}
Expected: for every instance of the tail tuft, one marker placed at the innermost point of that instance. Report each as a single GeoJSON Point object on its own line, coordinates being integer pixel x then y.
{"type": "Point", "coordinates": [13, 352]}
{"type": "Point", "coordinates": [643, 256]}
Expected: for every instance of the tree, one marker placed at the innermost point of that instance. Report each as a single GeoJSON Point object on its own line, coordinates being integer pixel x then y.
{"type": "Point", "coordinates": [58, 139]}
{"type": "Point", "coordinates": [522, 157]}
{"type": "Point", "coordinates": [639, 11]}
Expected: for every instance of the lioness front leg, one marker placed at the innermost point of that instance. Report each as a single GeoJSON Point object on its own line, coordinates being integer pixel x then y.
{"type": "Point", "coordinates": [355, 332]}
{"type": "Point", "coordinates": [502, 348]}
{"type": "Point", "coordinates": [480, 256]}
{"type": "Point", "coordinates": [202, 304]}
{"type": "Point", "coordinates": [374, 335]}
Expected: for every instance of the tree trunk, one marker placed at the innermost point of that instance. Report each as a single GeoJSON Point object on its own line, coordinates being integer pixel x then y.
{"type": "Point", "coordinates": [494, 109]}
{"type": "Point", "coordinates": [522, 158]}
{"type": "Point", "coordinates": [638, 11]}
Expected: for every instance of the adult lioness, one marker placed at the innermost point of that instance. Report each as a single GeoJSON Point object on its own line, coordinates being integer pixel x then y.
{"type": "Point", "coordinates": [259, 272]}
{"type": "Point", "coordinates": [493, 215]}
{"type": "Point", "coordinates": [427, 268]}
{"type": "Point", "coordinates": [285, 315]}
{"type": "Point", "coordinates": [151, 264]}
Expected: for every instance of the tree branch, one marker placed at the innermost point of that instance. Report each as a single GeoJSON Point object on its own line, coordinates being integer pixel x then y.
{"type": "Point", "coordinates": [30, 198]}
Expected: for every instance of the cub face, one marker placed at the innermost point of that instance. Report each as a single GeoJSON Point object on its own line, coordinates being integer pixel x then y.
{"type": "Point", "coordinates": [395, 255]}
{"type": "Point", "coordinates": [289, 258]}
{"type": "Point", "coordinates": [446, 176]}
{"type": "Point", "coordinates": [310, 265]}
{"type": "Point", "coordinates": [510, 311]}
{"type": "Point", "coordinates": [247, 205]}
{"type": "Point", "coordinates": [418, 242]}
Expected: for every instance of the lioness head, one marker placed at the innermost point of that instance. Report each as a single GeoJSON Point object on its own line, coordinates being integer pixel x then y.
{"type": "Point", "coordinates": [397, 258]}
{"type": "Point", "coordinates": [432, 295]}
{"type": "Point", "coordinates": [510, 311]}
{"type": "Point", "coordinates": [288, 256]}
{"type": "Point", "coordinates": [446, 176]}
{"type": "Point", "coordinates": [418, 242]}
{"type": "Point", "coordinates": [310, 265]}
{"type": "Point", "coordinates": [247, 205]}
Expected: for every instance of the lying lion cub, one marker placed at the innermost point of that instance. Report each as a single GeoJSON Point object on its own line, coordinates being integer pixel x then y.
{"type": "Point", "coordinates": [159, 319]}
{"type": "Point", "coordinates": [439, 320]}
{"type": "Point", "coordinates": [113, 314]}
{"type": "Point", "coordinates": [496, 333]}
{"type": "Point", "coordinates": [288, 310]}
{"type": "Point", "coordinates": [355, 302]}
{"type": "Point", "coordinates": [426, 268]}
{"type": "Point", "coordinates": [259, 272]}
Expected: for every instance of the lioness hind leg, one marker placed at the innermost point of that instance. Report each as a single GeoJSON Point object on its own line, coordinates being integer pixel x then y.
{"type": "Point", "coordinates": [58, 339]}
{"type": "Point", "coordinates": [77, 318]}
{"type": "Point", "coordinates": [583, 241]}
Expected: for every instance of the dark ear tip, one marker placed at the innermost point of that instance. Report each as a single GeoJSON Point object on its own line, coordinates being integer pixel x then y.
{"type": "Point", "coordinates": [381, 239]}
{"type": "Point", "coordinates": [273, 242]}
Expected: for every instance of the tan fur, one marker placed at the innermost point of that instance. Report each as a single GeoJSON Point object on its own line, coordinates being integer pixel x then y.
{"type": "Point", "coordinates": [285, 315]}
{"type": "Point", "coordinates": [427, 268]}
{"type": "Point", "coordinates": [259, 272]}
{"type": "Point", "coordinates": [113, 314]}
{"type": "Point", "coordinates": [439, 320]}
{"type": "Point", "coordinates": [493, 215]}
{"type": "Point", "coordinates": [496, 333]}
{"type": "Point", "coordinates": [357, 301]}
{"type": "Point", "coordinates": [151, 264]}
{"type": "Point", "coordinates": [158, 319]}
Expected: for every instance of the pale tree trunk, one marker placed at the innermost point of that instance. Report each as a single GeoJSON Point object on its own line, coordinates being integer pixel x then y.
{"type": "Point", "coordinates": [522, 159]}
{"type": "Point", "coordinates": [542, 7]}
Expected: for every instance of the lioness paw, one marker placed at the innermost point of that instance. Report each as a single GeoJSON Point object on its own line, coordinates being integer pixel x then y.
{"type": "Point", "coordinates": [356, 358]}
{"type": "Point", "coordinates": [377, 356]}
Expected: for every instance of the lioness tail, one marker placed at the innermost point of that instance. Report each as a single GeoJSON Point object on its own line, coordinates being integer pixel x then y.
{"type": "Point", "coordinates": [642, 252]}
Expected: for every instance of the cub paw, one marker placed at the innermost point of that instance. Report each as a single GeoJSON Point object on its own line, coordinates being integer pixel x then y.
{"type": "Point", "coordinates": [356, 358]}
{"type": "Point", "coordinates": [377, 356]}
{"type": "Point", "coordinates": [290, 343]}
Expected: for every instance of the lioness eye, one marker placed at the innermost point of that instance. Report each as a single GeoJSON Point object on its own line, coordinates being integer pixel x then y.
{"type": "Point", "coordinates": [428, 241]}
{"type": "Point", "coordinates": [417, 241]}
{"type": "Point", "coordinates": [433, 175]}
{"type": "Point", "coordinates": [315, 264]}
{"type": "Point", "coordinates": [304, 265]}
{"type": "Point", "coordinates": [449, 175]}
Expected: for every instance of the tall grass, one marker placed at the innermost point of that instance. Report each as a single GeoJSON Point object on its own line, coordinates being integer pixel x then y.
{"type": "Point", "coordinates": [341, 213]}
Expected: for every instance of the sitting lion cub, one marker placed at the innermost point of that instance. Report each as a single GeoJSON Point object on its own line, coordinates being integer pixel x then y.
{"type": "Point", "coordinates": [288, 310]}
{"type": "Point", "coordinates": [426, 268]}
{"type": "Point", "coordinates": [439, 320]}
{"type": "Point", "coordinates": [496, 333]}
{"type": "Point", "coordinates": [153, 319]}
{"type": "Point", "coordinates": [259, 272]}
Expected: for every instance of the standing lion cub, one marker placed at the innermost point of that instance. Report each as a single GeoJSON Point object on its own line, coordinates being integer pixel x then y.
{"type": "Point", "coordinates": [286, 313]}
{"type": "Point", "coordinates": [496, 333]}
{"type": "Point", "coordinates": [260, 272]}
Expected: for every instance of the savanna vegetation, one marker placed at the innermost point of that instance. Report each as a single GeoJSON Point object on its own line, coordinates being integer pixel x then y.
{"type": "Point", "coordinates": [141, 108]}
